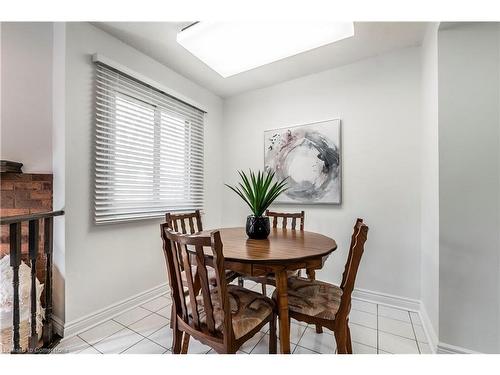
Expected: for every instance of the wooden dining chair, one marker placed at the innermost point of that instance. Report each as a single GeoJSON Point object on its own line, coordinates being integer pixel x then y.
{"type": "Point", "coordinates": [328, 305]}
{"type": "Point", "coordinates": [190, 223]}
{"type": "Point", "coordinates": [285, 217]}
{"type": "Point", "coordinates": [223, 317]}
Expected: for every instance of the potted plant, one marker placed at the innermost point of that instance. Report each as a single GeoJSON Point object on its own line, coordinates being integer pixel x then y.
{"type": "Point", "coordinates": [258, 191]}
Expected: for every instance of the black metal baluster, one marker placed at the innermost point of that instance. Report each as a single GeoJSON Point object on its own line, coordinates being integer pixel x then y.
{"type": "Point", "coordinates": [48, 245]}
{"type": "Point", "coordinates": [15, 239]}
{"type": "Point", "coordinates": [33, 252]}
{"type": "Point", "coordinates": [15, 262]}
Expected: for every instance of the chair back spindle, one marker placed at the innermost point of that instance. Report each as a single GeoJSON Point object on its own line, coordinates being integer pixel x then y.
{"type": "Point", "coordinates": [284, 219]}
{"type": "Point", "coordinates": [178, 222]}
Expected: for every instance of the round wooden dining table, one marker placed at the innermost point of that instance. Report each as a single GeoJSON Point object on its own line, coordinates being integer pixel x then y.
{"type": "Point", "coordinates": [284, 250]}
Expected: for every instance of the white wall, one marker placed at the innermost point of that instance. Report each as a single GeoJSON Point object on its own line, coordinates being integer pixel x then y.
{"type": "Point", "coordinates": [429, 184]}
{"type": "Point", "coordinates": [378, 101]}
{"type": "Point", "coordinates": [107, 264]}
{"type": "Point", "coordinates": [26, 85]}
{"type": "Point", "coordinates": [469, 131]}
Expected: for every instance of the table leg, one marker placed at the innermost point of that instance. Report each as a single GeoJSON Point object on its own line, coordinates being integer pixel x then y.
{"type": "Point", "coordinates": [284, 327]}
{"type": "Point", "coordinates": [311, 273]}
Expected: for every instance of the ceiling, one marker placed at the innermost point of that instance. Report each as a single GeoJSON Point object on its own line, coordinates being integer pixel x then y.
{"type": "Point", "coordinates": [158, 40]}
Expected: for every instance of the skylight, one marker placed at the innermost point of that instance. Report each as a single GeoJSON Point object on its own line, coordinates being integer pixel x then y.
{"type": "Point", "coordinates": [230, 48]}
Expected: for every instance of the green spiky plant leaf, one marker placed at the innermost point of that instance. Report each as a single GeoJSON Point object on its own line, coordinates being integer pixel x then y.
{"type": "Point", "coordinates": [258, 190]}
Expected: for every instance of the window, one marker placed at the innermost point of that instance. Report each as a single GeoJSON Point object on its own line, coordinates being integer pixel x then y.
{"type": "Point", "coordinates": [148, 150]}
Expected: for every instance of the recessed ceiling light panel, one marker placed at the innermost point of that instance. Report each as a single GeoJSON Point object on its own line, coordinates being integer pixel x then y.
{"type": "Point", "coordinates": [230, 48]}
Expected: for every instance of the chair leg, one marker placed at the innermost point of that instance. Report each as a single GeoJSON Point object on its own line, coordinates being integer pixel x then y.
{"type": "Point", "coordinates": [264, 289]}
{"type": "Point", "coordinates": [311, 274]}
{"type": "Point", "coordinates": [273, 339]}
{"type": "Point", "coordinates": [341, 339]}
{"type": "Point", "coordinates": [348, 339]}
{"type": "Point", "coordinates": [177, 340]}
{"type": "Point", "coordinates": [185, 344]}
{"type": "Point", "coordinates": [240, 282]}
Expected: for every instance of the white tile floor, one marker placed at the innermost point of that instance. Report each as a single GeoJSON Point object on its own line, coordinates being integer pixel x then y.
{"type": "Point", "coordinates": [145, 329]}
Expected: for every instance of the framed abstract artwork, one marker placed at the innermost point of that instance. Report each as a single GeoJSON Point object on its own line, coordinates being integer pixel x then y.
{"type": "Point", "coordinates": [310, 157]}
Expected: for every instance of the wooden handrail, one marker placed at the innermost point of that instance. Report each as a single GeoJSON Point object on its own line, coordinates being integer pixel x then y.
{"type": "Point", "coordinates": [20, 218]}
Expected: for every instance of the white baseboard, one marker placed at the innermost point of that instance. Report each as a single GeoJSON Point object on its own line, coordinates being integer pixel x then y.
{"type": "Point", "coordinates": [387, 299]}
{"type": "Point", "coordinates": [58, 325]}
{"type": "Point", "coordinates": [444, 348]}
{"type": "Point", "coordinates": [82, 324]}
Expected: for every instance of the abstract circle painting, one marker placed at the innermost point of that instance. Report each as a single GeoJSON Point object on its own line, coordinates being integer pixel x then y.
{"type": "Point", "coordinates": [309, 157]}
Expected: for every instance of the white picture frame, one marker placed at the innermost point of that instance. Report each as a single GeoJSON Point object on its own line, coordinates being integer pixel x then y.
{"type": "Point", "coordinates": [310, 157]}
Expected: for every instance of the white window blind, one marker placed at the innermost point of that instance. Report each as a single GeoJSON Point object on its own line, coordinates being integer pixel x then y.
{"type": "Point", "coordinates": [148, 150]}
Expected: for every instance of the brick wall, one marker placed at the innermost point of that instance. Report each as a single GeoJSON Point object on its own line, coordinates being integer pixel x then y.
{"type": "Point", "coordinates": [23, 194]}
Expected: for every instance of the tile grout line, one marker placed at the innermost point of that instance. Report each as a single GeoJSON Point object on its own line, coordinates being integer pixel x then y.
{"type": "Point", "coordinates": [390, 317]}
{"type": "Point", "coordinates": [395, 334]}
{"type": "Point", "coordinates": [277, 334]}
{"type": "Point", "coordinates": [300, 338]}
{"type": "Point", "coordinates": [147, 337]}
{"type": "Point", "coordinates": [145, 308]}
{"type": "Point", "coordinates": [104, 338]}
{"type": "Point", "coordinates": [414, 334]}
{"type": "Point", "coordinates": [140, 334]}
{"type": "Point", "coordinates": [137, 321]}
{"type": "Point", "coordinates": [144, 338]}
{"type": "Point", "coordinates": [89, 344]}
{"type": "Point", "coordinates": [382, 316]}
{"type": "Point", "coordinates": [303, 347]}
{"type": "Point", "coordinates": [399, 320]}
{"type": "Point", "coordinates": [120, 331]}
{"type": "Point", "coordinates": [149, 311]}
{"type": "Point", "coordinates": [253, 347]}
{"type": "Point", "coordinates": [392, 333]}
{"type": "Point", "coordinates": [362, 325]}
{"type": "Point", "coordinates": [362, 343]}
{"type": "Point", "coordinates": [363, 311]}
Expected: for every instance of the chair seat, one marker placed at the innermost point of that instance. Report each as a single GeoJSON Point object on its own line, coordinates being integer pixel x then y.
{"type": "Point", "coordinates": [248, 309]}
{"type": "Point", "coordinates": [230, 275]}
{"type": "Point", "coordinates": [313, 298]}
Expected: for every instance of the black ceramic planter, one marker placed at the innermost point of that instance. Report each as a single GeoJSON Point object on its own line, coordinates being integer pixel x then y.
{"type": "Point", "coordinates": [258, 228]}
